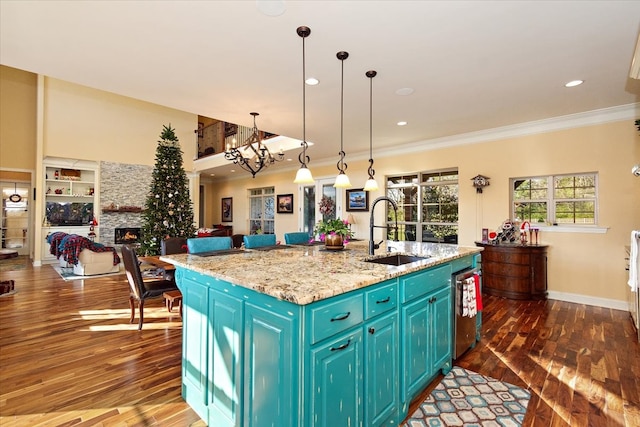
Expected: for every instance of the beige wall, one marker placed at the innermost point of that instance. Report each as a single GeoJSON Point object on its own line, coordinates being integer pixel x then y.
{"type": "Point", "coordinates": [17, 119]}
{"type": "Point", "coordinates": [80, 122]}
{"type": "Point", "coordinates": [90, 124]}
{"type": "Point", "coordinates": [590, 265]}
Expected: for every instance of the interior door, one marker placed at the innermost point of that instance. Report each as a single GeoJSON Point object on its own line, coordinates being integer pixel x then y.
{"type": "Point", "coordinates": [15, 216]}
{"type": "Point", "coordinates": [320, 201]}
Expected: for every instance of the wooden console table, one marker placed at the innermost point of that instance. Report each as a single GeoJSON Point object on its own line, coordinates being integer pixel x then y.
{"type": "Point", "coordinates": [514, 271]}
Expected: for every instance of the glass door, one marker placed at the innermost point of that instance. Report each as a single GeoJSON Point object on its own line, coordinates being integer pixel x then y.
{"type": "Point", "coordinates": [321, 201]}
{"type": "Point", "coordinates": [15, 216]}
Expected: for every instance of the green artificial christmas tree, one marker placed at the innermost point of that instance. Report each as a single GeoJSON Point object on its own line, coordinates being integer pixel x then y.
{"type": "Point", "coordinates": [168, 209]}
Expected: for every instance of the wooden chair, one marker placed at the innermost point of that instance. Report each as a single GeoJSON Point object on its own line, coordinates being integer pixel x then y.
{"type": "Point", "coordinates": [141, 290]}
{"type": "Point", "coordinates": [258, 240]}
{"type": "Point", "coordinates": [173, 245]}
{"type": "Point", "coordinates": [296, 238]}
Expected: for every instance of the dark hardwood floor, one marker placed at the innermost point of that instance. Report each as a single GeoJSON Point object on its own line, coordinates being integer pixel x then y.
{"type": "Point", "coordinates": [69, 357]}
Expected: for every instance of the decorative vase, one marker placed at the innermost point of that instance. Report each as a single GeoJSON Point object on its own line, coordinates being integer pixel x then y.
{"type": "Point", "coordinates": [333, 242]}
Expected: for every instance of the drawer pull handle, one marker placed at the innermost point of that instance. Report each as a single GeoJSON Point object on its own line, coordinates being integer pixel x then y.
{"type": "Point", "coordinates": [341, 317]}
{"type": "Point", "coordinates": [387, 299]}
{"type": "Point", "coordinates": [341, 347]}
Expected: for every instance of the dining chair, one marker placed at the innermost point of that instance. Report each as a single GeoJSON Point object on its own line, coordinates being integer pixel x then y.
{"type": "Point", "coordinates": [296, 238]}
{"type": "Point", "coordinates": [173, 245]}
{"type": "Point", "coordinates": [198, 245]}
{"type": "Point", "coordinates": [140, 289]}
{"type": "Point", "coordinates": [258, 240]}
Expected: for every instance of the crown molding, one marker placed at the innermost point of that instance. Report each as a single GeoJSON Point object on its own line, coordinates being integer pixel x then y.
{"type": "Point", "coordinates": [570, 121]}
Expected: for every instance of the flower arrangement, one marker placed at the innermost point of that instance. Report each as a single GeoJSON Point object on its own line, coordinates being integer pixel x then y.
{"type": "Point", "coordinates": [333, 226]}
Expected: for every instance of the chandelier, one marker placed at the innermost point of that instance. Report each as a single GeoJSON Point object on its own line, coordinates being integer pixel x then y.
{"type": "Point", "coordinates": [253, 155]}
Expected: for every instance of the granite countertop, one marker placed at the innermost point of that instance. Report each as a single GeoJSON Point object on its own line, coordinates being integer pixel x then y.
{"type": "Point", "coordinates": [304, 274]}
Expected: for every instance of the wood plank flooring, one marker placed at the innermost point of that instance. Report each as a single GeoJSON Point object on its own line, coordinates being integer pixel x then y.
{"type": "Point", "coordinates": [69, 357]}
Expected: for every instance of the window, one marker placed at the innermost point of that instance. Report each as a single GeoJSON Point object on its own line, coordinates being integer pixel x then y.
{"type": "Point", "coordinates": [427, 206]}
{"type": "Point", "coordinates": [558, 199]}
{"type": "Point", "coordinates": [262, 210]}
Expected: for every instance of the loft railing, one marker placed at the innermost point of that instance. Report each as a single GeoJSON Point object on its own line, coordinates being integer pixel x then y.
{"type": "Point", "coordinates": [216, 137]}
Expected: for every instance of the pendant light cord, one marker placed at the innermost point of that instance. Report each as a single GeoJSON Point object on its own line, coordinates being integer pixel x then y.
{"type": "Point", "coordinates": [371, 74]}
{"type": "Point", "coordinates": [342, 166]}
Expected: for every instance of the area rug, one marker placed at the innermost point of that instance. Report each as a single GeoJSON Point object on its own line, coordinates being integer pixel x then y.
{"type": "Point", "coordinates": [466, 398]}
{"type": "Point", "coordinates": [67, 274]}
{"type": "Point", "coordinates": [12, 264]}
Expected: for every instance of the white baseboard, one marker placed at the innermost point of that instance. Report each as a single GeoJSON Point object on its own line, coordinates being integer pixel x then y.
{"type": "Point", "coordinates": [583, 299]}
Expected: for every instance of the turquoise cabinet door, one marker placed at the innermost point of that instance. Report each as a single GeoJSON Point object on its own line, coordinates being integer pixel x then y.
{"type": "Point", "coordinates": [271, 378]}
{"type": "Point", "coordinates": [336, 381]}
{"type": "Point", "coordinates": [225, 360]}
{"type": "Point", "coordinates": [441, 329]}
{"type": "Point", "coordinates": [194, 346]}
{"type": "Point", "coordinates": [381, 371]}
{"type": "Point", "coordinates": [415, 347]}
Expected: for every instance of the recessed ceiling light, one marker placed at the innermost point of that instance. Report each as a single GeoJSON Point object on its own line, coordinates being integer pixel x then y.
{"type": "Point", "coordinates": [574, 83]}
{"type": "Point", "coordinates": [213, 174]}
{"type": "Point", "coordinates": [312, 81]}
{"type": "Point", "coordinates": [233, 170]}
{"type": "Point", "coordinates": [404, 91]}
{"type": "Point", "coordinates": [402, 123]}
{"type": "Point", "coordinates": [271, 7]}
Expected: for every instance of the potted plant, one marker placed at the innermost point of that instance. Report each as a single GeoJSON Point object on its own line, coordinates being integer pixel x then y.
{"type": "Point", "coordinates": [333, 232]}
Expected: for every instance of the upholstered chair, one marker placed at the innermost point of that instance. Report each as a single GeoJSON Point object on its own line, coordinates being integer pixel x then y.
{"type": "Point", "coordinates": [296, 238]}
{"type": "Point", "coordinates": [258, 240]}
{"type": "Point", "coordinates": [199, 245]}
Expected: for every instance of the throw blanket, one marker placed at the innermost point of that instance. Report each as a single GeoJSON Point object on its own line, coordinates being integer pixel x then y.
{"type": "Point", "coordinates": [69, 247]}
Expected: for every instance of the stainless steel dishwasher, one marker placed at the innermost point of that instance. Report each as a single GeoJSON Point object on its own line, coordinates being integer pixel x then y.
{"type": "Point", "coordinates": [465, 325]}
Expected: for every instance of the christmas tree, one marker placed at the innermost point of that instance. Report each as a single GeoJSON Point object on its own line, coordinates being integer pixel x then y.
{"type": "Point", "coordinates": [168, 209]}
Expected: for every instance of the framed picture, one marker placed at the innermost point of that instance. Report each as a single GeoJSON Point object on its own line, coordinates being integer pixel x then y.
{"type": "Point", "coordinates": [230, 129]}
{"type": "Point", "coordinates": [227, 209]}
{"type": "Point", "coordinates": [285, 203]}
{"type": "Point", "coordinates": [357, 200]}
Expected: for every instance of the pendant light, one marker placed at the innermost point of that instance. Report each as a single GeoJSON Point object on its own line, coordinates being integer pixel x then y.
{"type": "Point", "coordinates": [342, 180]}
{"type": "Point", "coordinates": [371, 184]}
{"type": "Point", "coordinates": [303, 176]}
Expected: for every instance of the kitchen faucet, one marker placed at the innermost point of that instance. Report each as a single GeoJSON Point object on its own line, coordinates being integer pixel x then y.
{"type": "Point", "coordinates": [372, 245]}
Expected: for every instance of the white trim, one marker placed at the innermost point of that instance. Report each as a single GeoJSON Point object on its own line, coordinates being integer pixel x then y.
{"type": "Point", "coordinates": [587, 300]}
{"type": "Point", "coordinates": [587, 229]}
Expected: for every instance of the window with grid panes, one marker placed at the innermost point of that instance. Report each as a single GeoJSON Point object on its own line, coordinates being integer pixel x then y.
{"type": "Point", "coordinates": [403, 190]}
{"type": "Point", "coordinates": [558, 199]}
{"type": "Point", "coordinates": [427, 206]}
{"type": "Point", "coordinates": [439, 206]}
{"type": "Point", "coordinates": [262, 210]}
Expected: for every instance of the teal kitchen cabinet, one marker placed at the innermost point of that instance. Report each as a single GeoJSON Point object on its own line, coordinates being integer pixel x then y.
{"type": "Point", "coordinates": [239, 357]}
{"type": "Point", "coordinates": [336, 385]}
{"type": "Point", "coordinates": [425, 329]}
{"type": "Point", "coordinates": [271, 351]}
{"type": "Point", "coordinates": [381, 355]}
{"type": "Point", "coordinates": [353, 359]}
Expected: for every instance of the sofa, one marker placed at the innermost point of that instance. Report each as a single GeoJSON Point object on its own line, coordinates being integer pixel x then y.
{"type": "Point", "coordinates": [86, 257]}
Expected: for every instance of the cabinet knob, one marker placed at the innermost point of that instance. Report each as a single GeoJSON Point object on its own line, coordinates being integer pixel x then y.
{"type": "Point", "coordinates": [372, 330]}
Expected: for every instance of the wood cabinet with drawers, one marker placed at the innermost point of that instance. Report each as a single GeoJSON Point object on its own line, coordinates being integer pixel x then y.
{"type": "Point", "coordinates": [514, 271]}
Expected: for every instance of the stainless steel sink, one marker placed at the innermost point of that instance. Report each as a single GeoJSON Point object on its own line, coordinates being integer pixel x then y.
{"type": "Point", "coordinates": [397, 259]}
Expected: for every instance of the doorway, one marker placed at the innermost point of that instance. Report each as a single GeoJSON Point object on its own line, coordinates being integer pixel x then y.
{"type": "Point", "coordinates": [14, 216]}
{"type": "Point", "coordinates": [320, 201]}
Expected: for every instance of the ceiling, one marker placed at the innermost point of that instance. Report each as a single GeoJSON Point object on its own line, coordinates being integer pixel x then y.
{"type": "Point", "coordinates": [472, 65]}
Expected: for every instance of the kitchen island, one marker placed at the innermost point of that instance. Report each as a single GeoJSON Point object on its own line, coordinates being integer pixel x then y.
{"type": "Point", "coordinates": [301, 336]}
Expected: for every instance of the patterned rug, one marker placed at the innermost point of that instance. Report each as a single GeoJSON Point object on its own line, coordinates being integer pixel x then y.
{"type": "Point", "coordinates": [12, 264]}
{"type": "Point", "coordinates": [465, 398]}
